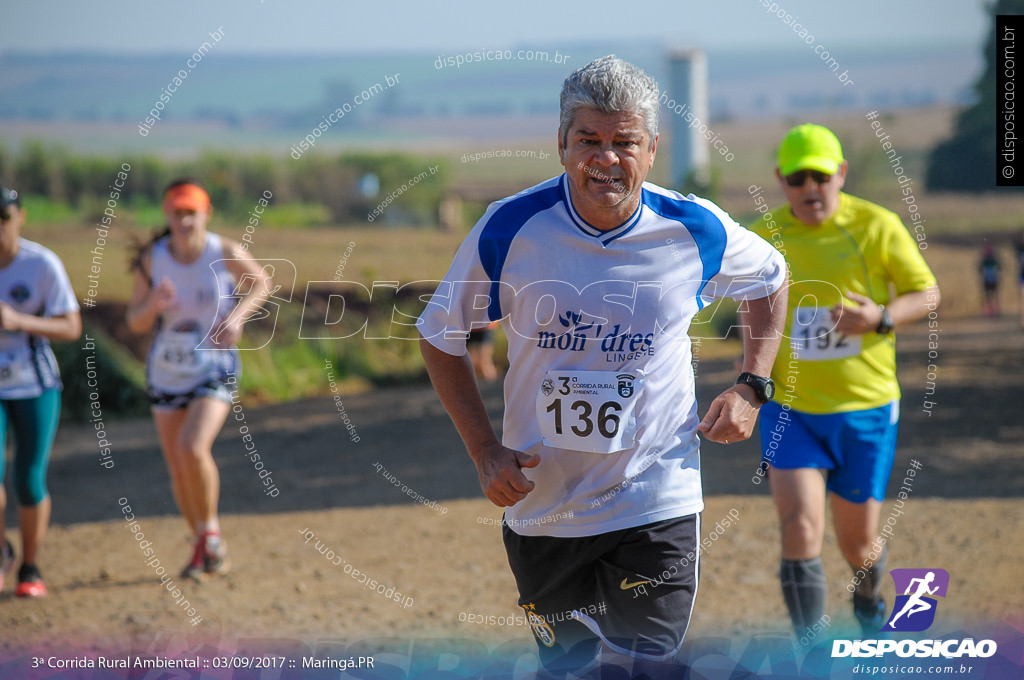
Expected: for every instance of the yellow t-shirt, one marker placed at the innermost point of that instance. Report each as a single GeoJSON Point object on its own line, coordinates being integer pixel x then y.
{"type": "Point", "coordinates": [862, 248]}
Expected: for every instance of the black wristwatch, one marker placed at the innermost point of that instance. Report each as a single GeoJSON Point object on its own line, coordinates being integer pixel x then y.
{"type": "Point", "coordinates": [885, 325]}
{"type": "Point", "coordinates": [764, 388]}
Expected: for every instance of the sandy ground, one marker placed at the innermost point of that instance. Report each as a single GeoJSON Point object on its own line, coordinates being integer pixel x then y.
{"type": "Point", "coordinates": [964, 515]}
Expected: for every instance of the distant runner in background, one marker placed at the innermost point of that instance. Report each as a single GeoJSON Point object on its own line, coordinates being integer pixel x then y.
{"type": "Point", "coordinates": [180, 279]}
{"type": "Point", "coordinates": [480, 345]}
{"type": "Point", "coordinates": [37, 305]}
{"type": "Point", "coordinates": [991, 271]}
{"type": "Point", "coordinates": [830, 432]}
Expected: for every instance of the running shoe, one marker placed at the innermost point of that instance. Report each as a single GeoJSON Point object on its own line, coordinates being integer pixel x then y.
{"type": "Point", "coordinates": [194, 569]}
{"type": "Point", "coordinates": [215, 554]}
{"type": "Point", "coordinates": [7, 560]}
{"type": "Point", "coordinates": [870, 614]}
{"type": "Point", "coordinates": [30, 582]}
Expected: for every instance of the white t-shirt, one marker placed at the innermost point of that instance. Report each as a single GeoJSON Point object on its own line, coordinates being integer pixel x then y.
{"type": "Point", "coordinates": [600, 383]}
{"type": "Point", "coordinates": [33, 283]}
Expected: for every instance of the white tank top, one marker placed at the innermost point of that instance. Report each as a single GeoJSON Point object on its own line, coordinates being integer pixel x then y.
{"type": "Point", "coordinates": [183, 355]}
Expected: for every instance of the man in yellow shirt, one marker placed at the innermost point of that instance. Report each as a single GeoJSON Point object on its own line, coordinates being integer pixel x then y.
{"type": "Point", "coordinates": [831, 429]}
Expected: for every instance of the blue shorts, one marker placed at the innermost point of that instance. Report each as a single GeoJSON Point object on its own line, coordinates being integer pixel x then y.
{"type": "Point", "coordinates": [857, 448]}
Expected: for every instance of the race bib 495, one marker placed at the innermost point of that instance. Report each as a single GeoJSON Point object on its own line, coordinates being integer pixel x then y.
{"type": "Point", "coordinates": [176, 352]}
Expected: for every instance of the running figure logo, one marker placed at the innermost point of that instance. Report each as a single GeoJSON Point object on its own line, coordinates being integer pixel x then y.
{"type": "Point", "coordinates": [280, 277]}
{"type": "Point", "coordinates": [914, 610]}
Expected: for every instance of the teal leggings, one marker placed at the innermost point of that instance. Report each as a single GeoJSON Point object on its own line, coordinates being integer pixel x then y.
{"type": "Point", "coordinates": [34, 423]}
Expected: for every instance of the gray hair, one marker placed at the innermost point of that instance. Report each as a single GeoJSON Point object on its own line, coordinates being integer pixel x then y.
{"type": "Point", "coordinates": [609, 85]}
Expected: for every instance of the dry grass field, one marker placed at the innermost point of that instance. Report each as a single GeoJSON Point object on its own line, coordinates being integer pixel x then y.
{"type": "Point", "coordinates": [282, 597]}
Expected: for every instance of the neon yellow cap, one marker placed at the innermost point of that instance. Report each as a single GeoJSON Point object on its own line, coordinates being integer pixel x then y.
{"type": "Point", "coordinates": [810, 147]}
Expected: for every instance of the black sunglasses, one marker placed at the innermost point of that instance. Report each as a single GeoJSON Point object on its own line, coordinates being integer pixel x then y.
{"type": "Point", "coordinates": [798, 178]}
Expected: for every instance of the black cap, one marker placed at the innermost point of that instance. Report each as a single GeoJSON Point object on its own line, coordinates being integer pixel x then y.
{"type": "Point", "coordinates": [9, 197]}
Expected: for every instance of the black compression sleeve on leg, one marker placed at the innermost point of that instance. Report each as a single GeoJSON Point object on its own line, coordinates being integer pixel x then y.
{"type": "Point", "coordinates": [870, 585]}
{"type": "Point", "coordinates": [804, 589]}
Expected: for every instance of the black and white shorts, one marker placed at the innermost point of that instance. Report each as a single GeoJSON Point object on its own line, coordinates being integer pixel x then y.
{"type": "Point", "coordinates": [632, 589]}
{"type": "Point", "coordinates": [220, 384]}
{"type": "Point", "coordinates": [214, 388]}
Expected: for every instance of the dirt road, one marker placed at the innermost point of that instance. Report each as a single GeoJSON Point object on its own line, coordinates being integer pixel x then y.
{"type": "Point", "coordinates": [965, 515]}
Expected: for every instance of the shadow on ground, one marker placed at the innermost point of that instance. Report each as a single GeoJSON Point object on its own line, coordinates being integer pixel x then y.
{"type": "Point", "coordinates": [970, 447]}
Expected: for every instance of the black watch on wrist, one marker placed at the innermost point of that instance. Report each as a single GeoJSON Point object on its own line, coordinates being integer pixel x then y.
{"type": "Point", "coordinates": [764, 388]}
{"type": "Point", "coordinates": [885, 325]}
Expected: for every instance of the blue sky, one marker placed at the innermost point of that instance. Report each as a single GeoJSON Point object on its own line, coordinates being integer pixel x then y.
{"type": "Point", "coordinates": [324, 26]}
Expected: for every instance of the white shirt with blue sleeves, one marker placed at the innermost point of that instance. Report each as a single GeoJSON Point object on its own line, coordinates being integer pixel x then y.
{"type": "Point", "coordinates": [600, 383]}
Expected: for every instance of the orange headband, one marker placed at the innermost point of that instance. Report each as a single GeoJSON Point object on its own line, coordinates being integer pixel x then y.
{"type": "Point", "coordinates": [188, 197]}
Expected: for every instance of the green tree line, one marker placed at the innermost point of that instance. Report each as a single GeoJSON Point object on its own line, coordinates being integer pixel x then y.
{"type": "Point", "coordinates": [967, 160]}
{"type": "Point", "coordinates": [338, 184]}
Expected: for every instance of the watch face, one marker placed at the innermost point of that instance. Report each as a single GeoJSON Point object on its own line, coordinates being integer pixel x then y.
{"type": "Point", "coordinates": [764, 388]}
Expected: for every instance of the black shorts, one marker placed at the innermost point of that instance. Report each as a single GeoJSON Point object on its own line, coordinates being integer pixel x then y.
{"type": "Point", "coordinates": [633, 589]}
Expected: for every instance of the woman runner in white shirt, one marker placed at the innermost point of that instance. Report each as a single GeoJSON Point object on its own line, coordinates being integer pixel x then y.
{"type": "Point", "coordinates": [36, 305]}
{"type": "Point", "coordinates": [184, 286]}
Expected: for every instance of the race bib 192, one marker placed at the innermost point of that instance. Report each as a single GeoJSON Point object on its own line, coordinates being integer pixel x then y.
{"type": "Point", "coordinates": [813, 336]}
{"type": "Point", "coordinates": [593, 411]}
